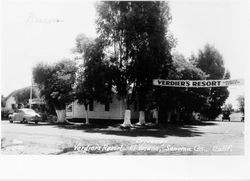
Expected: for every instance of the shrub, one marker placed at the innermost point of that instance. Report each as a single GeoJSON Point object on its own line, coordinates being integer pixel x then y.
{"type": "Point", "coordinates": [5, 113]}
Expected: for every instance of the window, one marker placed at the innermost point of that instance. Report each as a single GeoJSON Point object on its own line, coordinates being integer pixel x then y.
{"type": "Point", "coordinates": [13, 106]}
{"type": "Point", "coordinates": [107, 106]}
{"type": "Point", "coordinates": [70, 108]}
{"type": "Point", "coordinates": [86, 106]}
{"type": "Point", "coordinates": [28, 111]}
{"type": "Point", "coordinates": [90, 106]}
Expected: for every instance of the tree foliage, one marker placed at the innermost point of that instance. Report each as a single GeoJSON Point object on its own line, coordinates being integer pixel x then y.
{"type": "Point", "coordinates": [3, 102]}
{"type": "Point", "coordinates": [211, 62]}
{"type": "Point", "coordinates": [56, 82]}
{"type": "Point", "coordinates": [135, 36]}
{"type": "Point", "coordinates": [82, 43]}
{"type": "Point", "coordinates": [184, 70]}
{"type": "Point", "coordinates": [94, 77]}
{"type": "Point", "coordinates": [133, 47]}
{"type": "Point", "coordinates": [241, 103]}
{"type": "Point", "coordinates": [23, 96]}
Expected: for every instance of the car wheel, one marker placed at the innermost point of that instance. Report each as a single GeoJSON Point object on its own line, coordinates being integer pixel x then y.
{"type": "Point", "coordinates": [11, 121]}
{"type": "Point", "coordinates": [24, 121]}
{"type": "Point", "coordinates": [36, 122]}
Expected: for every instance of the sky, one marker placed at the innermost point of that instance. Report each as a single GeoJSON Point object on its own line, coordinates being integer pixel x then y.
{"type": "Point", "coordinates": [45, 30]}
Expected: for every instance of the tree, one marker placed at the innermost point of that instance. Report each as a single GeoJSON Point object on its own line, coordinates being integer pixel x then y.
{"type": "Point", "coordinates": [3, 102]}
{"type": "Point", "coordinates": [187, 71]}
{"type": "Point", "coordinates": [174, 99]}
{"type": "Point", "coordinates": [135, 37]}
{"type": "Point", "coordinates": [23, 96]}
{"type": "Point", "coordinates": [94, 77]}
{"type": "Point", "coordinates": [211, 62]}
{"type": "Point", "coordinates": [227, 109]}
{"type": "Point", "coordinates": [241, 102]}
{"type": "Point", "coordinates": [82, 43]}
{"type": "Point", "coordinates": [228, 106]}
{"type": "Point", "coordinates": [56, 82]}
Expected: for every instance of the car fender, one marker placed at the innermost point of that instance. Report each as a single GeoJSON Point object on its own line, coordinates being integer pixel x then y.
{"type": "Point", "coordinates": [10, 117]}
{"type": "Point", "coordinates": [27, 118]}
{"type": "Point", "coordinates": [21, 117]}
{"type": "Point", "coordinates": [14, 117]}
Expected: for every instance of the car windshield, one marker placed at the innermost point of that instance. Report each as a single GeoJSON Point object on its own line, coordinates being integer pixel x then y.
{"type": "Point", "coordinates": [28, 111]}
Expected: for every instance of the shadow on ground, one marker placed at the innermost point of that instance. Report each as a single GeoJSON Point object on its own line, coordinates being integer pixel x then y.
{"type": "Point", "coordinates": [183, 129]}
{"type": "Point", "coordinates": [161, 133]}
{"type": "Point", "coordinates": [171, 129]}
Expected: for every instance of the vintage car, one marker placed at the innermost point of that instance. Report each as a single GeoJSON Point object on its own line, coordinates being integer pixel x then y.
{"type": "Point", "coordinates": [24, 116]}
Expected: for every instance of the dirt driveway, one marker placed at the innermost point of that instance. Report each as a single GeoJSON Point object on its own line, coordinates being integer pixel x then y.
{"type": "Point", "coordinates": [201, 138]}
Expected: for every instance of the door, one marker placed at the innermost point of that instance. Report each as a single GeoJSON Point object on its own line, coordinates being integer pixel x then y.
{"type": "Point", "coordinates": [18, 115]}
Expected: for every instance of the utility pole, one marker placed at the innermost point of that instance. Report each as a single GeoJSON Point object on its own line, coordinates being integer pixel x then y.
{"type": "Point", "coordinates": [31, 93]}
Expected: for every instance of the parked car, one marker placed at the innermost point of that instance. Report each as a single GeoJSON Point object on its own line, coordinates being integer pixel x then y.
{"type": "Point", "coordinates": [25, 115]}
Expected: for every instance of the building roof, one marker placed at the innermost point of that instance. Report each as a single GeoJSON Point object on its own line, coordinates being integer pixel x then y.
{"type": "Point", "coordinates": [19, 90]}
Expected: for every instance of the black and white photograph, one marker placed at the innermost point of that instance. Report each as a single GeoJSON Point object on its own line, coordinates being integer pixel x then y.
{"type": "Point", "coordinates": [122, 78]}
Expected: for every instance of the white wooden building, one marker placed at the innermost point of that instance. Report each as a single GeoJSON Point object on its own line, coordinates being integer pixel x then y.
{"type": "Point", "coordinates": [11, 102]}
{"type": "Point", "coordinates": [112, 111]}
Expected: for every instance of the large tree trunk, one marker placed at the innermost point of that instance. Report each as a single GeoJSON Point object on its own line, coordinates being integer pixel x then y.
{"type": "Point", "coordinates": [141, 118]}
{"type": "Point", "coordinates": [61, 115]}
{"type": "Point", "coordinates": [127, 116]}
{"type": "Point", "coordinates": [141, 103]}
{"type": "Point", "coordinates": [156, 116]}
{"type": "Point", "coordinates": [87, 115]}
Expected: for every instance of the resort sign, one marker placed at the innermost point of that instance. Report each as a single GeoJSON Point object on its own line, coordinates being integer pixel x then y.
{"type": "Point", "coordinates": [36, 101]}
{"type": "Point", "coordinates": [198, 83]}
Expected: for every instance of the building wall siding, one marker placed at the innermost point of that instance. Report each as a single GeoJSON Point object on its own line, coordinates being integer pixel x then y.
{"type": "Point", "coordinates": [116, 111]}
{"type": "Point", "coordinates": [11, 100]}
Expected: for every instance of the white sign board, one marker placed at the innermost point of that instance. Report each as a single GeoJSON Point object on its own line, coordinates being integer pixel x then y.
{"type": "Point", "coordinates": [36, 101]}
{"type": "Point", "coordinates": [198, 83]}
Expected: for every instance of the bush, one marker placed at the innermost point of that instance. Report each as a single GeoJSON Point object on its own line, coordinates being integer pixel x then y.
{"type": "Point", "coordinates": [5, 113]}
{"type": "Point", "coordinates": [52, 118]}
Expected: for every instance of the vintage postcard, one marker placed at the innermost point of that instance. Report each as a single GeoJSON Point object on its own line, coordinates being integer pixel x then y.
{"type": "Point", "coordinates": [124, 78]}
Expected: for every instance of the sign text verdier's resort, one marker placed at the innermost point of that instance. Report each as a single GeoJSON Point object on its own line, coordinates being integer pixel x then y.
{"type": "Point", "coordinates": [198, 83]}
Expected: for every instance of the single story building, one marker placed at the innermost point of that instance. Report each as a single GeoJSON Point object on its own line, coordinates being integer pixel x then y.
{"type": "Point", "coordinates": [110, 111]}
{"type": "Point", "coordinates": [11, 102]}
